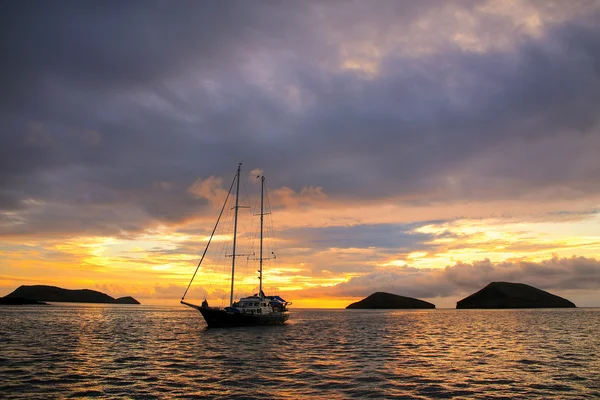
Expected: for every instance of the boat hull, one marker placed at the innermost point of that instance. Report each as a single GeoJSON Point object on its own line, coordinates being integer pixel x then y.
{"type": "Point", "coordinates": [218, 318]}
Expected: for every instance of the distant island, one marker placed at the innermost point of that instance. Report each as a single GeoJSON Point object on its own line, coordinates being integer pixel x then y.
{"type": "Point", "coordinates": [513, 295]}
{"type": "Point", "coordinates": [382, 300]}
{"type": "Point", "coordinates": [19, 301]}
{"type": "Point", "coordinates": [41, 293]}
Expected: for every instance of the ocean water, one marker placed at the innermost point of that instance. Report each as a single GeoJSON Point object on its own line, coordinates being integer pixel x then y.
{"type": "Point", "coordinates": [112, 351]}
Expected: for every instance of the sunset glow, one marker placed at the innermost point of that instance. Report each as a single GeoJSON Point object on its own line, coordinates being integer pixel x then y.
{"type": "Point", "coordinates": [425, 149]}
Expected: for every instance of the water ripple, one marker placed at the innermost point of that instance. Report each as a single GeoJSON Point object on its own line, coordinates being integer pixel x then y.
{"type": "Point", "coordinates": [110, 351]}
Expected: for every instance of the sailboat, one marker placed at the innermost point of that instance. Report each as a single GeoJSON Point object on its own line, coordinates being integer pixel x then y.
{"type": "Point", "coordinates": [258, 309]}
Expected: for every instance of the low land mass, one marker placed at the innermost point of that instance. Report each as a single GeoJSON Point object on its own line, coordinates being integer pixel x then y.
{"type": "Point", "coordinates": [19, 301]}
{"type": "Point", "coordinates": [381, 300]}
{"type": "Point", "coordinates": [513, 295]}
{"type": "Point", "coordinates": [56, 294]}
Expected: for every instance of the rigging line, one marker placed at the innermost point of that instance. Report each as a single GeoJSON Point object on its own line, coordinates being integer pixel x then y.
{"type": "Point", "coordinates": [235, 225]}
{"type": "Point", "coordinates": [250, 233]}
{"type": "Point", "coordinates": [249, 238]}
{"type": "Point", "coordinates": [218, 260]}
{"type": "Point", "coordinates": [209, 240]}
{"type": "Point", "coordinates": [271, 230]}
{"type": "Point", "coordinates": [218, 265]}
{"type": "Point", "coordinates": [222, 269]}
{"type": "Point", "coordinates": [250, 241]}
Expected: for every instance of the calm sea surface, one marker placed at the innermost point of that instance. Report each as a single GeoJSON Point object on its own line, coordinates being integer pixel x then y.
{"type": "Point", "coordinates": [112, 351]}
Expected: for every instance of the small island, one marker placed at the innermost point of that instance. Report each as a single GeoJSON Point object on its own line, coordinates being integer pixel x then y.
{"type": "Point", "coordinates": [20, 301]}
{"type": "Point", "coordinates": [382, 300]}
{"type": "Point", "coordinates": [513, 295]}
{"type": "Point", "coordinates": [35, 294]}
{"type": "Point", "coordinates": [126, 300]}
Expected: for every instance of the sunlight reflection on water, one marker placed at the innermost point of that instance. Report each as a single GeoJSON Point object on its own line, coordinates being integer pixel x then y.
{"type": "Point", "coordinates": [157, 352]}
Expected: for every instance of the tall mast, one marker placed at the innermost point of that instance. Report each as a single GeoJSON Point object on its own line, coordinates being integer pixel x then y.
{"type": "Point", "coordinates": [262, 214]}
{"type": "Point", "coordinates": [235, 218]}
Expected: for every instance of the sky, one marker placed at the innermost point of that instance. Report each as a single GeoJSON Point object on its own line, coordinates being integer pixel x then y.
{"type": "Point", "coordinates": [422, 148]}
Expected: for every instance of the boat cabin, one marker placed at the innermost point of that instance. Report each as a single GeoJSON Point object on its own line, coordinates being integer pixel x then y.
{"type": "Point", "coordinates": [254, 305]}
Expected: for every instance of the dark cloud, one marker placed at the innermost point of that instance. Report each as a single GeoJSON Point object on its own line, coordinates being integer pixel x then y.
{"type": "Point", "coordinates": [110, 111]}
{"type": "Point", "coordinates": [133, 44]}
{"type": "Point", "coordinates": [555, 274]}
{"type": "Point", "coordinates": [394, 237]}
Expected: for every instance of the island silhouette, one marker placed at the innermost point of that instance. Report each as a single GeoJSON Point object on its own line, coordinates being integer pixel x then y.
{"type": "Point", "coordinates": [382, 300]}
{"type": "Point", "coordinates": [19, 301]}
{"type": "Point", "coordinates": [35, 294]}
{"type": "Point", "coordinates": [513, 295]}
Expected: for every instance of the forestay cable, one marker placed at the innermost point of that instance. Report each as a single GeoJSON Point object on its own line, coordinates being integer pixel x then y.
{"type": "Point", "coordinates": [210, 239]}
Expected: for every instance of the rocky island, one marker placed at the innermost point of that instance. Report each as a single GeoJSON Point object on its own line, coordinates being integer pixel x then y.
{"type": "Point", "coordinates": [381, 300]}
{"type": "Point", "coordinates": [513, 295]}
{"type": "Point", "coordinates": [40, 293]}
{"type": "Point", "coordinates": [19, 301]}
